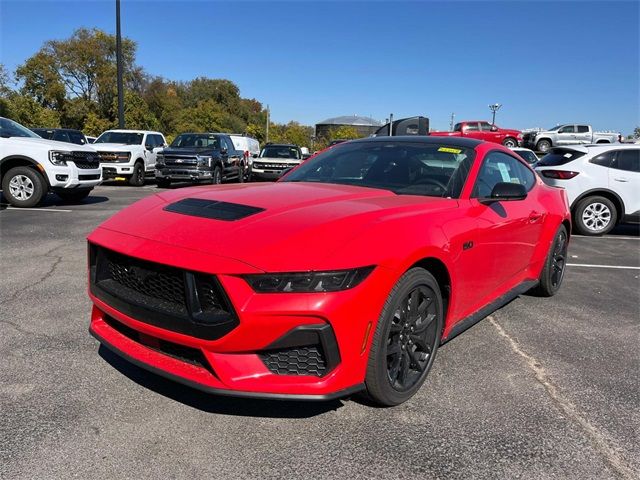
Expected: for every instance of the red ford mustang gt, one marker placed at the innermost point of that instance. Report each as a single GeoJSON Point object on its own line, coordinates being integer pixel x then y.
{"type": "Point", "coordinates": [345, 275]}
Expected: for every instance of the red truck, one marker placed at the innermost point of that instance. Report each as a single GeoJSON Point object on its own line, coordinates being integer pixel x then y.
{"type": "Point", "coordinates": [482, 130]}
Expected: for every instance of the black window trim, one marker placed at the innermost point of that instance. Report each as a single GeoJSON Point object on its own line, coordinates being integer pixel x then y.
{"type": "Point", "coordinates": [614, 160]}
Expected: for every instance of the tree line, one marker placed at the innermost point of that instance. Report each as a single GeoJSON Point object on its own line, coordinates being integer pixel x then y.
{"type": "Point", "coordinates": [71, 83]}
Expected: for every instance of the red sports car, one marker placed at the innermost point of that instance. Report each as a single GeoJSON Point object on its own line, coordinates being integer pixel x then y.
{"type": "Point", "coordinates": [345, 275]}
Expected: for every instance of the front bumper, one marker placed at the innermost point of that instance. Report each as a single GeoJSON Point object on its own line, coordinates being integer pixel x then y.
{"type": "Point", "coordinates": [236, 362]}
{"type": "Point", "coordinates": [176, 173]}
{"type": "Point", "coordinates": [112, 169]}
{"type": "Point", "coordinates": [71, 177]}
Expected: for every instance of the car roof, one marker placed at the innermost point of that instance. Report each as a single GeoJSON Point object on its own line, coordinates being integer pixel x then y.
{"type": "Point", "coordinates": [452, 141]}
{"type": "Point", "coordinates": [281, 145]}
{"type": "Point", "coordinates": [56, 129]}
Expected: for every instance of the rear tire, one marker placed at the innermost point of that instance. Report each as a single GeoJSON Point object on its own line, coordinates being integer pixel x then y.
{"type": "Point", "coordinates": [543, 146]}
{"type": "Point", "coordinates": [137, 179]}
{"type": "Point", "coordinates": [595, 215]}
{"type": "Point", "coordinates": [74, 196]}
{"type": "Point", "coordinates": [23, 187]}
{"type": "Point", "coordinates": [163, 182]}
{"type": "Point", "coordinates": [406, 339]}
{"type": "Point", "coordinates": [554, 266]}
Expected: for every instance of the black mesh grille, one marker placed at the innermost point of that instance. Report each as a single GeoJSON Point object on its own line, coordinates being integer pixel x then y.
{"type": "Point", "coordinates": [168, 285]}
{"type": "Point", "coordinates": [85, 160]}
{"type": "Point", "coordinates": [180, 300]}
{"type": "Point", "coordinates": [307, 360]}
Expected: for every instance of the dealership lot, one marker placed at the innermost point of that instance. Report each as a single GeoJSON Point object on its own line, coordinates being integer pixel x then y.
{"type": "Point", "coordinates": [542, 388]}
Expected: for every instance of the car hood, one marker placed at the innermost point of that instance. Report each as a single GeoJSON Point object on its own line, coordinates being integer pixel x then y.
{"type": "Point", "coordinates": [188, 151]}
{"type": "Point", "coordinates": [299, 226]}
{"type": "Point", "coordinates": [114, 147]}
{"type": "Point", "coordinates": [52, 144]}
{"type": "Point", "coordinates": [278, 160]}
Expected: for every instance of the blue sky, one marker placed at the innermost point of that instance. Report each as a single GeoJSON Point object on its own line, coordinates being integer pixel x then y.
{"type": "Point", "coordinates": [546, 62]}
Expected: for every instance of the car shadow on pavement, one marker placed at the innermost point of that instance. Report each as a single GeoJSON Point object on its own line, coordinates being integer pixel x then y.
{"type": "Point", "coordinates": [211, 403]}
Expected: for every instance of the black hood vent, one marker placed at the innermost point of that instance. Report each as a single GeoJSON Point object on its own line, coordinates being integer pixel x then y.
{"type": "Point", "coordinates": [199, 207]}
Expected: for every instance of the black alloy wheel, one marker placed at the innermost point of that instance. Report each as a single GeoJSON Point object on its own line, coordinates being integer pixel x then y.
{"type": "Point", "coordinates": [555, 265]}
{"type": "Point", "coordinates": [406, 339]}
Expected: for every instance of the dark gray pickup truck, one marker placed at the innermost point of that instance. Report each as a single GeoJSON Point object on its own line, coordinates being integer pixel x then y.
{"type": "Point", "coordinates": [197, 157]}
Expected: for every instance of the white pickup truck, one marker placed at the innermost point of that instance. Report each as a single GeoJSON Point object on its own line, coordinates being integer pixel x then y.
{"type": "Point", "coordinates": [31, 166]}
{"type": "Point", "coordinates": [563, 135]}
{"type": "Point", "coordinates": [129, 154]}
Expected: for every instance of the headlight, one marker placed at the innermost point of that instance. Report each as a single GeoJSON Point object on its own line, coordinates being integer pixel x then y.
{"type": "Point", "coordinates": [58, 158]}
{"type": "Point", "coordinates": [308, 282]}
{"type": "Point", "coordinates": [202, 161]}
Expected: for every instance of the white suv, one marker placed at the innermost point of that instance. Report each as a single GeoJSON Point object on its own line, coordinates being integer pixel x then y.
{"type": "Point", "coordinates": [129, 154]}
{"type": "Point", "coordinates": [602, 183]}
{"type": "Point", "coordinates": [31, 166]}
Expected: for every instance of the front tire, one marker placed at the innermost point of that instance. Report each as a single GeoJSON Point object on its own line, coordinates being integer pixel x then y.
{"type": "Point", "coordinates": [543, 146]}
{"type": "Point", "coordinates": [23, 187]}
{"type": "Point", "coordinates": [241, 174]}
{"type": "Point", "coordinates": [406, 339]}
{"type": "Point", "coordinates": [510, 142]}
{"type": "Point", "coordinates": [74, 196]}
{"type": "Point", "coordinates": [595, 216]}
{"type": "Point", "coordinates": [555, 265]}
{"type": "Point", "coordinates": [137, 179]}
{"type": "Point", "coordinates": [217, 176]}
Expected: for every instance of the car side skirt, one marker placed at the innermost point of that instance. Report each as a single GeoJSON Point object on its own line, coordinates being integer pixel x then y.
{"type": "Point", "coordinates": [229, 393]}
{"type": "Point", "coordinates": [499, 302]}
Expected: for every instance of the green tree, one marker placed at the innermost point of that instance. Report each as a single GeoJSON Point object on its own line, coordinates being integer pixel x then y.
{"type": "Point", "coordinates": [41, 80]}
{"type": "Point", "coordinates": [344, 132]}
{"type": "Point", "coordinates": [636, 132]}
{"type": "Point", "coordinates": [26, 111]}
{"type": "Point", "coordinates": [137, 114]}
{"type": "Point", "coordinates": [95, 125]}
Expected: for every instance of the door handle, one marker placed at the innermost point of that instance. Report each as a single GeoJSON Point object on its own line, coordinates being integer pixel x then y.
{"type": "Point", "coordinates": [534, 216]}
{"type": "Point", "coordinates": [621, 179]}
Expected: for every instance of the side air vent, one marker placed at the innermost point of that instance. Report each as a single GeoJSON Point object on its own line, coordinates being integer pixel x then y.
{"type": "Point", "coordinates": [198, 207]}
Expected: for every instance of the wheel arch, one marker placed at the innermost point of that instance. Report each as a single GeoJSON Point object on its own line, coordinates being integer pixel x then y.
{"type": "Point", "coordinates": [440, 272]}
{"type": "Point", "coordinates": [548, 139]}
{"type": "Point", "coordinates": [603, 192]}
{"type": "Point", "coordinates": [12, 161]}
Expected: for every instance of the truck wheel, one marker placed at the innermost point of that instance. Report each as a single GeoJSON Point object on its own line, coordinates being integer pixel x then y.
{"type": "Point", "coordinates": [241, 174]}
{"type": "Point", "coordinates": [543, 146]}
{"type": "Point", "coordinates": [74, 196]}
{"type": "Point", "coordinates": [217, 176]}
{"type": "Point", "coordinates": [163, 182]}
{"type": "Point", "coordinates": [510, 142]}
{"type": "Point", "coordinates": [23, 187]}
{"type": "Point", "coordinates": [137, 179]}
{"type": "Point", "coordinates": [595, 216]}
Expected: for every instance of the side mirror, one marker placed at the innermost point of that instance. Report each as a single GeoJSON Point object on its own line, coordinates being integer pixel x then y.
{"type": "Point", "coordinates": [255, 155]}
{"type": "Point", "coordinates": [223, 151]}
{"type": "Point", "coordinates": [505, 191]}
{"type": "Point", "coordinates": [494, 128]}
{"type": "Point", "coordinates": [149, 147]}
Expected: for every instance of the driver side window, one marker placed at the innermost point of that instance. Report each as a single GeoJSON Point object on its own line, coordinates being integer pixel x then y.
{"type": "Point", "coordinates": [567, 129]}
{"type": "Point", "coordinates": [499, 167]}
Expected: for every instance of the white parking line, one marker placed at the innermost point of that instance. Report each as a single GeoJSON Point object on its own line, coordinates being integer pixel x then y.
{"type": "Point", "coordinates": [40, 209]}
{"type": "Point", "coordinates": [620, 267]}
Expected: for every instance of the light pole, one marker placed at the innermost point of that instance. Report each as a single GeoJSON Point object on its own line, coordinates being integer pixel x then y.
{"type": "Point", "coordinates": [494, 108]}
{"type": "Point", "coordinates": [119, 67]}
{"type": "Point", "coordinates": [453, 115]}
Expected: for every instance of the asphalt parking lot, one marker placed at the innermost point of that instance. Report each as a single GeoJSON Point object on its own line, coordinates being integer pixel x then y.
{"type": "Point", "coordinates": [543, 388]}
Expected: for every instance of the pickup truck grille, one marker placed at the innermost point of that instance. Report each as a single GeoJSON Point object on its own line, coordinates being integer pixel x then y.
{"type": "Point", "coordinates": [179, 160]}
{"type": "Point", "coordinates": [114, 157]}
{"type": "Point", "coordinates": [274, 166]}
{"type": "Point", "coordinates": [84, 160]}
{"type": "Point", "coordinates": [172, 298]}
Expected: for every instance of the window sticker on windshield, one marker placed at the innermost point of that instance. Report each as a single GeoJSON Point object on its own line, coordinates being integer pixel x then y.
{"type": "Point", "coordinates": [504, 172]}
{"type": "Point", "coordinates": [567, 155]}
{"type": "Point", "coordinates": [449, 150]}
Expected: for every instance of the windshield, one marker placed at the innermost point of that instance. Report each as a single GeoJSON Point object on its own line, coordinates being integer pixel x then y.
{"type": "Point", "coordinates": [405, 168]}
{"type": "Point", "coordinates": [196, 140]}
{"type": "Point", "coordinates": [280, 151]}
{"type": "Point", "coordinates": [555, 127]}
{"type": "Point", "coordinates": [559, 156]}
{"type": "Point", "coordinates": [128, 138]}
{"type": "Point", "coordinates": [9, 128]}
